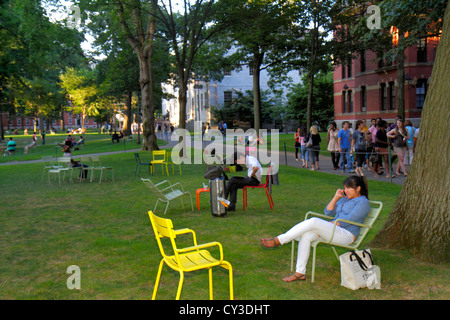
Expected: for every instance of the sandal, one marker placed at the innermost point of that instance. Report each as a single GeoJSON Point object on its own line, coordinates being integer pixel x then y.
{"type": "Point", "coordinates": [294, 277]}
{"type": "Point", "coordinates": [269, 243]}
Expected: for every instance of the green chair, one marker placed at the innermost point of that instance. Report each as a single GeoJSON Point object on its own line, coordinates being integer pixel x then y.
{"type": "Point", "coordinates": [139, 163]}
{"type": "Point", "coordinates": [168, 193]}
{"type": "Point", "coordinates": [376, 207]}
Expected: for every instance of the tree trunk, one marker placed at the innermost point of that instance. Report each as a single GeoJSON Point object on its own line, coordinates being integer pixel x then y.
{"type": "Point", "coordinates": [127, 114]}
{"type": "Point", "coordinates": [257, 61]}
{"type": "Point", "coordinates": [401, 80]}
{"type": "Point", "coordinates": [420, 218]}
{"type": "Point", "coordinates": [309, 102]}
{"type": "Point", "coordinates": [312, 69]}
{"type": "Point", "coordinates": [142, 44]}
{"type": "Point", "coordinates": [148, 121]}
{"type": "Point", "coordinates": [182, 101]}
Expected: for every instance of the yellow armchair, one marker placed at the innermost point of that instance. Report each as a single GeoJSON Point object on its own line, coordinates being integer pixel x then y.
{"type": "Point", "coordinates": [186, 259]}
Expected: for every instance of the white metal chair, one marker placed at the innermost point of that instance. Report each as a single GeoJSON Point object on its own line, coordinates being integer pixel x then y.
{"type": "Point", "coordinates": [97, 166]}
{"type": "Point", "coordinates": [365, 227]}
{"type": "Point", "coordinates": [168, 193]}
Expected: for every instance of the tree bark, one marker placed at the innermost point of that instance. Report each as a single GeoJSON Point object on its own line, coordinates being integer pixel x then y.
{"type": "Point", "coordinates": [401, 80]}
{"type": "Point", "coordinates": [142, 44]}
{"type": "Point", "coordinates": [420, 218]}
{"type": "Point", "coordinates": [127, 114]}
{"type": "Point", "coordinates": [257, 61]}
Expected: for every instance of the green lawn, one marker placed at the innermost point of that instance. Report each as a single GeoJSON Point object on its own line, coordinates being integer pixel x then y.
{"type": "Point", "coordinates": [105, 230]}
{"type": "Point", "coordinates": [94, 143]}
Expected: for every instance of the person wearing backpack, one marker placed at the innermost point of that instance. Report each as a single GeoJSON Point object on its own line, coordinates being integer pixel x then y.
{"type": "Point", "coordinates": [359, 144]}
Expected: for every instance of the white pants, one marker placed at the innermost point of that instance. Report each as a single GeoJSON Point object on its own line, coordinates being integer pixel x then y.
{"type": "Point", "coordinates": [311, 230]}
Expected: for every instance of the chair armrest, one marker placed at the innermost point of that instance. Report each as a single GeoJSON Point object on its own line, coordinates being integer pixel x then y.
{"type": "Point", "coordinates": [156, 185]}
{"type": "Point", "coordinates": [203, 246]}
{"type": "Point", "coordinates": [173, 185]}
{"type": "Point", "coordinates": [185, 231]}
{"type": "Point", "coordinates": [354, 223]}
{"type": "Point", "coordinates": [320, 215]}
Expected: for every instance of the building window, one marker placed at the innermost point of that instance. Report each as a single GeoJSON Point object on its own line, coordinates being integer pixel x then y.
{"type": "Point", "coordinates": [227, 72]}
{"type": "Point", "coordinates": [391, 95]}
{"type": "Point", "coordinates": [344, 101]}
{"type": "Point", "coordinates": [343, 71]}
{"type": "Point", "coordinates": [27, 121]}
{"type": "Point", "coordinates": [349, 69]}
{"type": "Point", "coordinates": [19, 121]}
{"type": "Point", "coordinates": [421, 92]}
{"type": "Point", "coordinates": [250, 70]}
{"type": "Point", "coordinates": [350, 101]}
{"type": "Point", "coordinates": [227, 97]}
{"type": "Point", "coordinates": [363, 61]}
{"type": "Point", "coordinates": [363, 99]}
{"type": "Point", "coordinates": [422, 50]}
{"type": "Point", "coordinates": [383, 94]}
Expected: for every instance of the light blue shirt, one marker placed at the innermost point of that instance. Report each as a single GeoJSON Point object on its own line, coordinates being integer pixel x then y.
{"type": "Point", "coordinates": [345, 138]}
{"type": "Point", "coordinates": [411, 136]}
{"type": "Point", "coordinates": [355, 210]}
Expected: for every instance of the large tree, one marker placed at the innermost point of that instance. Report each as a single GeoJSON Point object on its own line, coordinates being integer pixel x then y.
{"type": "Point", "coordinates": [258, 30]}
{"type": "Point", "coordinates": [186, 31]}
{"type": "Point", "coordinates": [420, 218]}
{"type": "Point", "coordinates": [33, 52]}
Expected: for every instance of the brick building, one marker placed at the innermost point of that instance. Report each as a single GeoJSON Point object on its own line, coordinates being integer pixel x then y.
{"type": "Point", "coordinates": [71, 121]}
{"type": "Point", "coordinates": [367, 88]}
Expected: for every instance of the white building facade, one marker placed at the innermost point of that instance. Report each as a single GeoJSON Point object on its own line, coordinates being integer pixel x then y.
{"type": "Point", "coordinates": [202, 95]}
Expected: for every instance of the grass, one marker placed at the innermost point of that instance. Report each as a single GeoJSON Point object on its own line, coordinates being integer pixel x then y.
{"type": "Point", "coordinates": [105, 230]}
{"type": "Point", "coordinates": [94, 143]}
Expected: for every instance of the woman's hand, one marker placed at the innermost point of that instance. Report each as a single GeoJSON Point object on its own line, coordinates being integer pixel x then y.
{"type": "Point", "coordinates": [340, 193]}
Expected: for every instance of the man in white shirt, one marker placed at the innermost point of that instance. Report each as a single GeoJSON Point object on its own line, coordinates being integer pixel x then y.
{"type": "Point", "coordinates": [254, 175]}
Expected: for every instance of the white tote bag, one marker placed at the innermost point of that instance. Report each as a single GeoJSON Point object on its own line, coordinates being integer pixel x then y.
{"type": "Point", "coordinates": [358, 270]}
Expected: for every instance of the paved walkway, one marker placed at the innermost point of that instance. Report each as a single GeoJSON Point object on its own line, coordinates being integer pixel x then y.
{"type": "Point", "coordinates": [285, 158]}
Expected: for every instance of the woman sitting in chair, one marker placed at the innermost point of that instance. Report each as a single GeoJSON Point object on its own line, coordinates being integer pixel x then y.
{"type": "Point", "coordinates": [350, 203]}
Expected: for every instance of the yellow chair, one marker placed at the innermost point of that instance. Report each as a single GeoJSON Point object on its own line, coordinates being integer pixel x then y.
{"type": "Point", "coordinates": [159, 157]}
{"type": "Point", "coordinates": [173, 159]}
{"type": "Point", "coordinates": [187, 259]}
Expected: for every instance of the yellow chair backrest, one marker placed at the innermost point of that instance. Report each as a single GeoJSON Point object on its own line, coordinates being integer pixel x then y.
{"type": "Point", "coordinates": [163, 228]}
{"type": "Point", "coordinates": [159, 155]}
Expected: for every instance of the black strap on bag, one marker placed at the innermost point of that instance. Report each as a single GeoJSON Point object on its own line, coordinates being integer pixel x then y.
{"type": "Point", "coordinates": [370, 256]}
{"type": "Point", "coordinates": [359, 260]}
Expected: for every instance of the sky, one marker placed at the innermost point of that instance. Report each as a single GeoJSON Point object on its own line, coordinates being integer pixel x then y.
{"type": "Point", "coordinates": [71, 13]}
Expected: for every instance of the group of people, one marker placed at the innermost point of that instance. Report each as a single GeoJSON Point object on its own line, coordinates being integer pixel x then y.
{"type": "Point", "coordinates": [351, 150]}
{"type": "Point", "coordinates": [308, 143]}
{"type": "Point", "coordinates": [370, 146]}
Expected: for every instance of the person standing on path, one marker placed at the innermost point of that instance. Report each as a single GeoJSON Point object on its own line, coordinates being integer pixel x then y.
{"type": "Point", "coordinates": [333, 145]}
{"type": "Point", "coordinates": [344, 140]}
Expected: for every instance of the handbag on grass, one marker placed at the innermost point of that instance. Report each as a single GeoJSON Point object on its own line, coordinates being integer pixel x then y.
{"type": "Point", "coordinates": [358, 270]}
